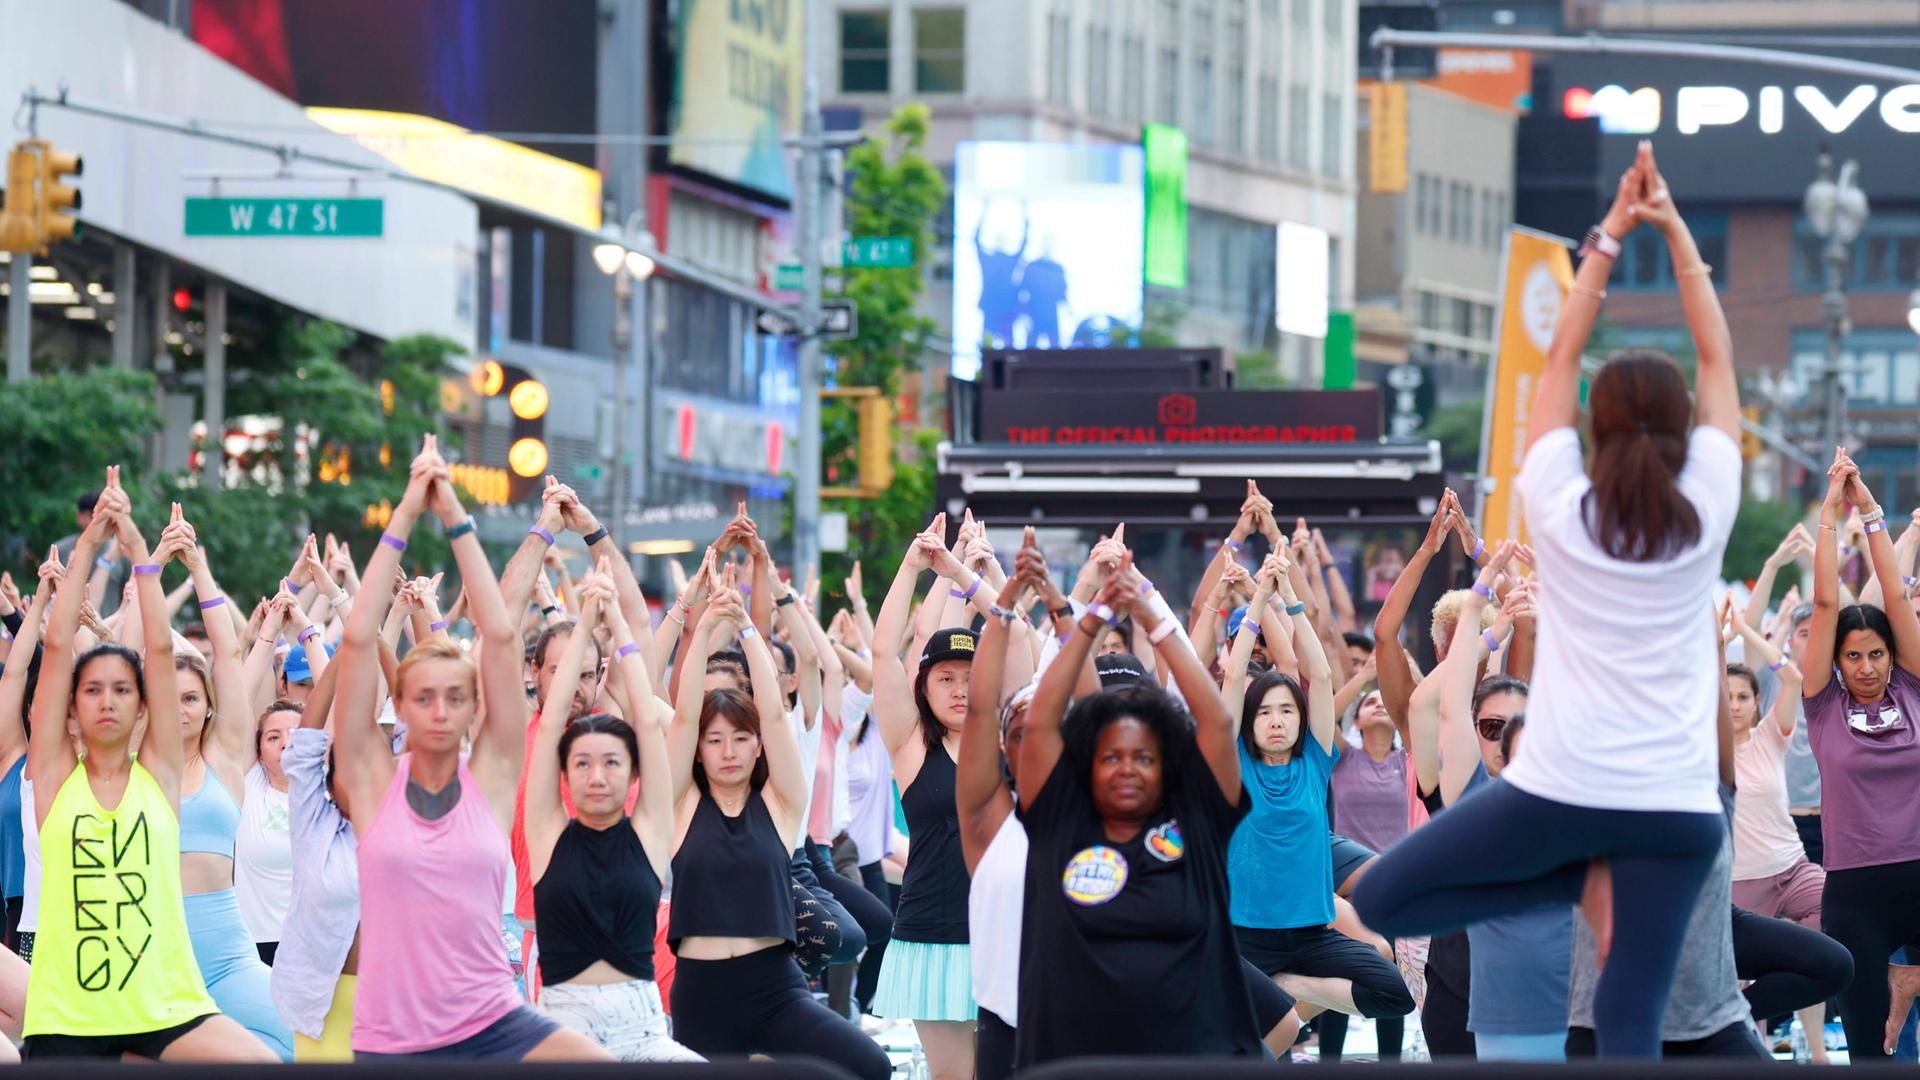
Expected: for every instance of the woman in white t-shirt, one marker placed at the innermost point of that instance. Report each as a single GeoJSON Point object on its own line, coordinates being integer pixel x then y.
{"type": "Point", "coordinates": [1615, 802]}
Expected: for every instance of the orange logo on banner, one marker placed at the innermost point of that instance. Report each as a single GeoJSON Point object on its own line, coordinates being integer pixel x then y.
{"type": "Point", "coordinates": [1538, 271]}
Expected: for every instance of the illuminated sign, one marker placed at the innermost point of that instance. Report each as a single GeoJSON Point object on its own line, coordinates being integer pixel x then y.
{"type": "Point", "coordinates": [488, 486]}
{"type": "Point", "coordinates": [1696, 108]}
{"type": "Point", "coordinates": [448, 154]}
{"type": "Point", "coordinates": [528, 400]}
{"type": "Point", "coordinates": [737, 90]}
{"type": "Point", "coordinates": [528, 457]}
{"type": "Point", "coordinates": [1302, 254]}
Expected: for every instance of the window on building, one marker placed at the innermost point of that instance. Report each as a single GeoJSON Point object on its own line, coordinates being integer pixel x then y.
{"type": "Point", "coordinates": [1420, 202]}
{"type": "Point", "coordinates": [1335, 12]}
{"type": "Point", "coordinates": [940, 50]}
{"type": "Point", "coordinates": [1098, 40]}
{"type": "Point", "coordinates": [1166, 85]}
{"type": "Point", "coordinates": [1644, 263]}
{"type": "Point", "coordinates": [863, 52]}
{"type": "Point", "coordinates": [1134, 88]}
{"type": "Point", "coordinates": [1466, 214]}
{"type": "Point", "coordinates": [1333, 137]}
{"type": "Point", "coordinates": [1059, 62]}
{"type": "Point", "coordinates": [1302, 14]}
{"type": "Point", "coordinates": [1203, 132]}
{"type": "Point", "coordinates": [1267, 122]}
{"type": "Point", "coordinates": [1429, 311]}
{"type": "Point", "coordinates": [1885, 365]}
{"type": "Point", "coordinates": [1234, 117]}
{"type": "Point", "coordinates": [1886, 255]}
{"type": "Point", "coordinates": [1299, 127]}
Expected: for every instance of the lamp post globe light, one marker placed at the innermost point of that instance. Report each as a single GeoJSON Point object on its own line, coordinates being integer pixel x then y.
{"type": "Point", "coordinates": [622, 254]}
{"type": "Point", "coordinates": [1913, 311]}
{"type": "Point", "coordinates": [1836, 210]}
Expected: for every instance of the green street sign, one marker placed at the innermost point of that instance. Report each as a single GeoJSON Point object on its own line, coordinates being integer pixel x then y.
{"type": "Point", "coordinates": [285, 217]}
{"type": "Point", "coordinates": [878, 252]}
{"type": "Point", "coordinates": [787, 277]}
{"type": "Point", "coordinates": [589, 472]}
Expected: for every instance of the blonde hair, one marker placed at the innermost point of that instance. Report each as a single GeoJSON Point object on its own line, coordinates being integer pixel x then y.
{"type": "Point", "coordinates": [1446, 615]}
{"type": "Point", "coordinates": [434, 648]}
{"type": "Point", "coordinates": [191, 660]}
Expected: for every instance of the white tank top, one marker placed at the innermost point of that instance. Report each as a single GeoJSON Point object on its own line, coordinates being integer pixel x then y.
{"type": "Point", "coordinates": [30, 829]}
{"type": "Point", "coordinates": [263, 857]}
{"type": "Point", "coordinates": [994, 902]}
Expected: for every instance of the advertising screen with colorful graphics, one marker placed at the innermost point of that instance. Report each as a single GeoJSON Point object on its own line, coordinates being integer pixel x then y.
{"type": "Point", "coordinates": [1049, 243]}
{"type": "Point", "coordinates": [1728, 132]}
{"type": "Point", "coordinates": [736, 89]}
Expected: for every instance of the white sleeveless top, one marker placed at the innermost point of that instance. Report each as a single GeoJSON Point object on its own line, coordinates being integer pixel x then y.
{"type": "Point", "coordinates": [30, 828]}
{"type": "Point", "coordinates": [994, 901]}
{"type": "Point", "coordinates": [263, 857]}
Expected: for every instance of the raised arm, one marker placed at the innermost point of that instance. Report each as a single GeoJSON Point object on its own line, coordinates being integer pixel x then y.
{"type": "Point", "coordinates": [1556, 403]}
{"type": "Point", "coordinates": [163, 753]}
{"type": "Point", "coordinates": [1716, 392]}
{"type": "Point", "coordinates": [1459, 750]}
{"type": "Point", "coordinates": [546, 816]}
{"type": "Point", "coordinates": [1795, 544]}
{"type": "Point", "coordinates": [1215, 728]}
{"type": "Point", "coordinates": [50, 755]}
{"type": "Point", "coordinates": [893, 707]}
{"type": "Point", "coordinates": [230, 743]}
{"type": "Point", "coordinates": [1389, 656]}
{"type": "Point", "coordinates": [13, 681]}
{"type": "Point", "coordinates": [979, 790]}
{"type": "Point", "coordinates": [517, 580]}
{"type": "Point", "coordinates": [786, 789]}
{"type": "Point", "coordinates": [1816, 657]}
{"type": "Point", "coordinates": [503, 740]}
{"type": "Point", "coordinates": [1760, 650]}
{"type": "Point", "coordinates": [1315, 671]}
{"type": "Point", "coordinates": [719, 620]}
{"type": "Point", "coordinates": [1233, 686]}
{"type": "Point", "coordinates": [1906, 624]}
{"type": "Point", "coordinates": [1041, 746]}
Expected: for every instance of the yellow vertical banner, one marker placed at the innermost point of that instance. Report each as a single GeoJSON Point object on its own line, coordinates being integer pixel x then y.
{"type": "Point", "coordinates": [1387, 137]}
{"type": "Point", "coordinates": [1538, 270]}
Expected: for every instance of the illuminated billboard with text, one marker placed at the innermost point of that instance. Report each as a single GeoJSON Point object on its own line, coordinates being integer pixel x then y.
{"type": "Point", "coordinates": [736, 89]}
{"type": "Point", "coordinates": [1048, 247]}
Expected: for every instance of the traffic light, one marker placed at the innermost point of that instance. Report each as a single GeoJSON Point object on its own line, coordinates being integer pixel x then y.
{"type": "Point", "coordinates": [38, 197]}
{"type": "Point", "coordinates": [873, 457]}
{"type": "Point", "coordinates": [1750, 444]}
{"type": "Point", "coordinates": [53, 223]}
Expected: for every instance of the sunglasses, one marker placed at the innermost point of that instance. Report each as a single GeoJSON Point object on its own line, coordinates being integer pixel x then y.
{"type": "Point", "coordinates": [1490, 727]}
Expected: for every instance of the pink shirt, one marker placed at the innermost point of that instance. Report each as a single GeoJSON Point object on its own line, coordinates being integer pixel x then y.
{"type": "Point", "coordinates": [1765, 842]}
{"type": "Point", "coordinates": [433, 970]}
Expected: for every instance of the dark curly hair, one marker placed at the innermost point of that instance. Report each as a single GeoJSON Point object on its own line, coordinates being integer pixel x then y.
{"type": "Point", "coordinates": [738, 710]}
{"type": "Point", "coordinates": [1160, 711]}
{"type": "Point", "coordinates": [1257, 691]}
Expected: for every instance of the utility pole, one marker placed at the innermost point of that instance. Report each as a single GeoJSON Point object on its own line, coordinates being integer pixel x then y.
{"type": "Point", "coordinates": [1836, 210]}
{"type": "Point", "coordinates": [807, 215]}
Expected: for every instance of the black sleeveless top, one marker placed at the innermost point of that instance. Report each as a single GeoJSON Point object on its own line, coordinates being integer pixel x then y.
{"type": "Point", "coordinates": [732, 876]}
{"type": "Point", "coordinates": [598, 900]}
{"type": "Point", "coordinates": [933, 892]}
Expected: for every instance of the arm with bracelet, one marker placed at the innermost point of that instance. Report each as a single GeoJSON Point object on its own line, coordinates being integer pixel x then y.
{"type": "Point", "coordinates": [1390, 660]}
{"type": "Point", "coordinates": [1905, 622]}
{"type": "Point", "coordinates": [1233, 685]}
{"type": "Point", "coordinates": [1761, 651]}
{"type": "Point", "coordinates": [1215, 722]}
{"type": "Point", "coordinates": [1315, 669]}
{"type": "Point", "coordinates": [1459, 749]}
{"type": "Point", "coordinates": [529, 559]}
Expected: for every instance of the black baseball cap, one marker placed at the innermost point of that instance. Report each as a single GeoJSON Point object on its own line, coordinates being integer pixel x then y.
{"type": "Point", "coordinates": [1120, 669]}
{"type": "Point", "coordinates": [953, 643]}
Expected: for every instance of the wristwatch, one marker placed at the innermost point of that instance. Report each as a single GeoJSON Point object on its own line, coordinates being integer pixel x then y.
{"type": "Point", "coordinates": [1598, 239]}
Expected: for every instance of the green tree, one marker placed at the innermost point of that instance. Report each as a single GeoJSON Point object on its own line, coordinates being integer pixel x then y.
{"type": "Point", "coordinates": [1757, 531]}
{"type": "Point", "coordinates": [63, 430]}
{"type": "Point", "coordinates": [1457, 428]}
{"type": "Point", "coordinates": [892, 190]}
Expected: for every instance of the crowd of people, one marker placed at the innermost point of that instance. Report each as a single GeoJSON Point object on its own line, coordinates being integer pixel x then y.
{"type": "Point", "coordinates": [551, 825]}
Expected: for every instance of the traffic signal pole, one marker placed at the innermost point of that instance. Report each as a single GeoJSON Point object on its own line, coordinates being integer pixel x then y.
{"type": "Point", "coordinates": [19, 318]}
{"type": "Point", "coordinates": [806, 494]}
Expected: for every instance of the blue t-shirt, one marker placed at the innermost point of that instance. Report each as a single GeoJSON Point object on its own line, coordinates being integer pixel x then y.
{"type": "Point", "coordinates": [13, 852]}
{"type": "Point", "coordinates": [1279, 866]}
{"type": "Point", "coordinates": [1520, 964]}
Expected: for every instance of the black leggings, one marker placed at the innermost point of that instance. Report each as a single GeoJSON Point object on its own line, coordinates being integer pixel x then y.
{"type": "Point", "coordinates": [992, 1047]}
{"type": "Point", "coordinates": [1734, 1040]}
{"type": "Point", "coordinates": [1872, 911]}
{"type": "Point", "coordinates": [873, 876]}
{"type": "Point", "coordinates": [1791, 966]}
{"type": "Point", "coordinates": [847, 940]}
{"type": "Point", "coordinates": [1325, 953]}
{"type": "Point", "coordinates": [1391, 1031]}
{"type": "Point", "coordinates": [870, 914]}
{"type": "Point", "coordinates": [1443, 1017]}
{"type": "Point", "coordinates": [1505, 851]}
{"type": "Point", "coordinates": [759, 1004]}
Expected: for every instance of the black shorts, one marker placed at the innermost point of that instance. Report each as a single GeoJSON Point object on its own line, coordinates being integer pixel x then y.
{"type": "Point", "coordinates": [1348, 856]}
{"type": "Point", "coordinates": [146, 1044]}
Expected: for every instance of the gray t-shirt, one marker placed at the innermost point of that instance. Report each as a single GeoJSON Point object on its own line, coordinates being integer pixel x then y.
{"type": "Point", "coordinates": [1519, 965]}
{"type": "Point", "coordinates": [1803, 773]}
{"type": "Point", "coordinates": [1706, 989]}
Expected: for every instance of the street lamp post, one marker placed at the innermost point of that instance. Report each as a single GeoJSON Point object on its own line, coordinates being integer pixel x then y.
{"type": "Point", "coordinates": [619, 255]}
{"type": "Point", "coordinates": [1836, 210]}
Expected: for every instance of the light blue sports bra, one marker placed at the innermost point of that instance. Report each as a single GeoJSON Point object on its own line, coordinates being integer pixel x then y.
{"type": "Point", "coordinates": [209, 819]}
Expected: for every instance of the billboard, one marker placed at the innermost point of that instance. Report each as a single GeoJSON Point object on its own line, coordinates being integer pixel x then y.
{"type": "Point", "coordinates": [737, 89]}
{"type": "Point", "coordinates": [1302, 255]}
{"type": "Point", "coordinates": [1166, 149]}
{"type": "Point", "coordinates": [1049, 243]}
{"type": "Point", "coordinates": [1741, 132]}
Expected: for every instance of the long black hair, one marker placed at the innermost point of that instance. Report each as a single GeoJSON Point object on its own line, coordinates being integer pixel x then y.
{"type": "Point", "coordinates": [1861, 617]}
{"type": "Point", "coordinates": [601, 723]}
{"type": "Point", "coordinates": [735, 708]}
{"type": "Point", "coordinates": [115, 649]}
{"type": "Point", "coordinates": [1158, 710]}
{"type": "Point", "coordinates": [1257, 691]}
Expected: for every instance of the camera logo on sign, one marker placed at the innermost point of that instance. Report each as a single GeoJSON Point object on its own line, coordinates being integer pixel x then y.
{"type": "Point", "coordinates": [1178, 410]}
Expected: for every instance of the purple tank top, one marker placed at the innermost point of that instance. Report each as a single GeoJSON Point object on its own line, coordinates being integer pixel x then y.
{"type": "Point", "coordinates": [1370, 798]}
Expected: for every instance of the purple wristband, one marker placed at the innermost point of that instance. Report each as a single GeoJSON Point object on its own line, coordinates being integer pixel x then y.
{"type": "Point", "coordinates": [1483, 590]}
{"type": "Point", "coordinates": [626, 650]}
{"type": "Point", "coordinates": [968, 595]}
{"type": "Point", "coordinates": [1878, 526]}
{"type": "Point", "coordinates": [1493, 643]}
{"type": "Point", "coordinates": [437, 625]}
{"type": "Point", "coordinates": [541, 533]}
{"type": "Point", "coordinates": [209, 605]}
{"type": "Point", "coordinates": [393, 541]}
{"type": "Point", "coordinates": [306, 634]}
{"type": "Point", "coordinates": [146, 568]}
{"type": "Point", "coordinates": [1232, 545]}
{"type": "Point", "coordinates": [1479, 549]}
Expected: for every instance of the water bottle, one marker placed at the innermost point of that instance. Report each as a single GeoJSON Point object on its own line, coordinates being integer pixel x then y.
{"type": "Point", "coordinates": [1799, 1040]}
{"type": "Point", "coordinates": [917, 1068]}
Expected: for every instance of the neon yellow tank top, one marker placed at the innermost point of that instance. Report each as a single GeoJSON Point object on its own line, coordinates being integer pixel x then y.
{"type": "Point", "coordinates": [112, 956]}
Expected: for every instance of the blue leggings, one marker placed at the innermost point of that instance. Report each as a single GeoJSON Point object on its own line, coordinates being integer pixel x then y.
{"type": "Point", "coordinates": [1503, 851]}
{"type": "Point", "coordinates": [241, 985]}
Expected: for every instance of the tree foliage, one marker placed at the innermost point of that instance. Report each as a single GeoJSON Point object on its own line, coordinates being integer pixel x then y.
{"type": "Point", "coordinates": [1757, 531]}
{"type": "Point", "coordinates": [891, 190]}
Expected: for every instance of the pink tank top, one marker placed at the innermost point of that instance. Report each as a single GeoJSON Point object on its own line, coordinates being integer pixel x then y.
{"type": "Point", "coordinates": [433, 967]}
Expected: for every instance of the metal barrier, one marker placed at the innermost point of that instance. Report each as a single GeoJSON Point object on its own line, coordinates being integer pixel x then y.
{"type": "Point", "coordinates": [724, 1069]}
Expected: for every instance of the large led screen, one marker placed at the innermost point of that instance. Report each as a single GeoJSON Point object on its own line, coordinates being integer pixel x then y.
{"type": "Point", "coordinates": [1048, 247]}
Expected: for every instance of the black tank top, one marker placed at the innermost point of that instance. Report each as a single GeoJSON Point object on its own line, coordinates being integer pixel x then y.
{"type": "Point", "coordinates": [731, 877]}
{"type": "Point", "coordinates": [598, 900]}
{"type": "Point", "coordinates": [933, 892]}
